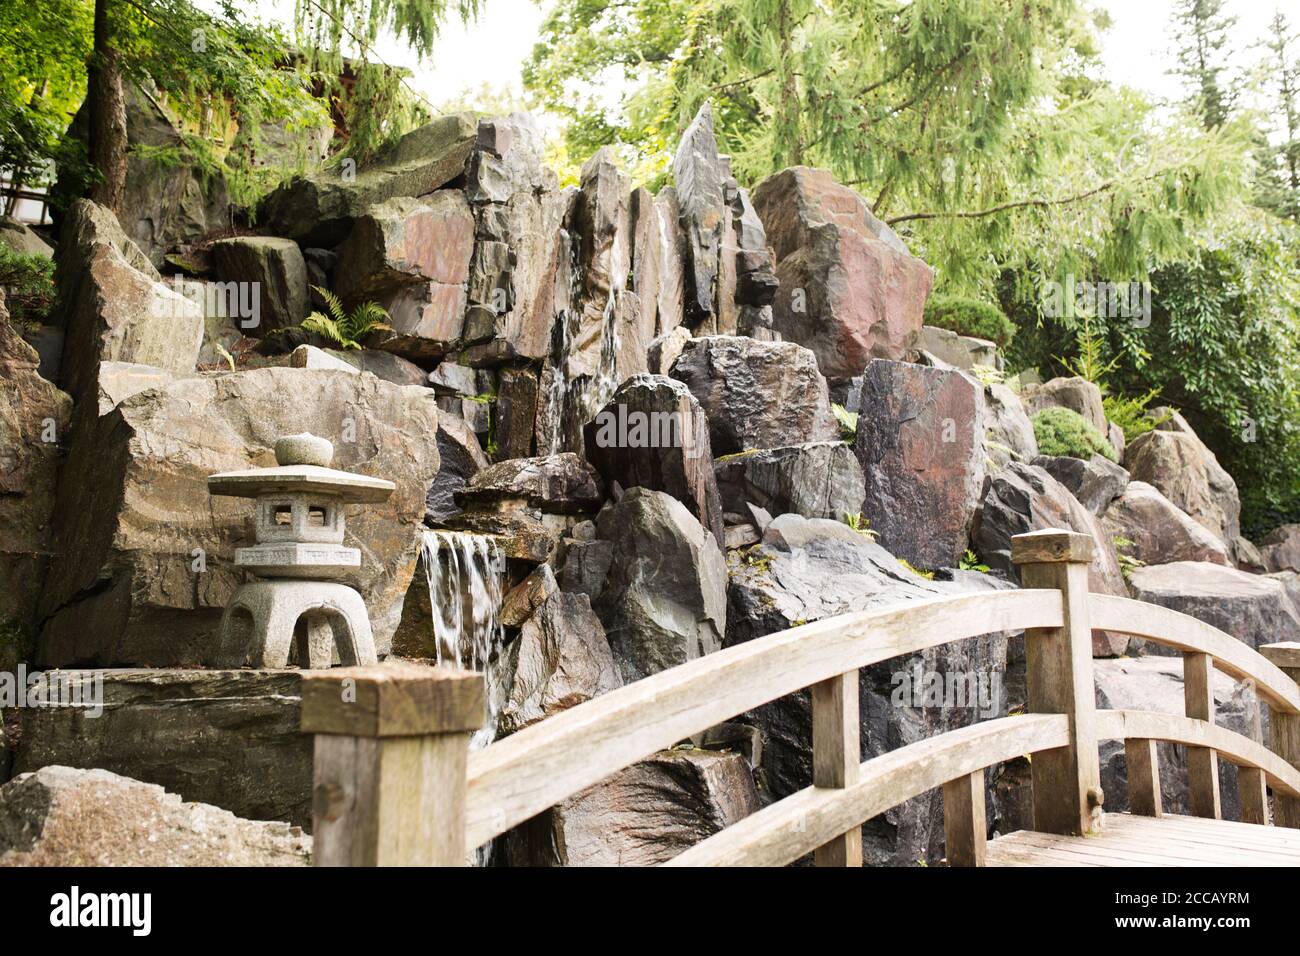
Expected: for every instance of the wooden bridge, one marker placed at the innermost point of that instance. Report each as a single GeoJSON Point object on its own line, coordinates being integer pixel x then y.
{"type": "Point", "coordinates": [395, 783]}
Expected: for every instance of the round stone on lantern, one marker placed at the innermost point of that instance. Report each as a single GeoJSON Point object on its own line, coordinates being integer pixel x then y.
{"type": "Point", "coordinates": [299, 525]}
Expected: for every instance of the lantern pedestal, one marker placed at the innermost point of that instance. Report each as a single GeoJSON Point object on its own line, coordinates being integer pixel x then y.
{"type": "Point", "coordinates": [258, 624]}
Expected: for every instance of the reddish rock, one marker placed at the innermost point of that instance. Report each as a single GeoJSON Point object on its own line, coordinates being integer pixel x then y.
{"type": "Point", "coordinates": [1187, 473]}
{"type": "Point", "coordinates": [1280, 549]}
{"type": "Point", "coordinates": [1160, 533]}
{"type": "Point", "coordinates": [920, 444]}
{"type": "Point", "coordinates": [849, 289]}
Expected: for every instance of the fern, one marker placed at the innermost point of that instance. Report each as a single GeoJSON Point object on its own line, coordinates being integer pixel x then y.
{"type": "Point", "coordinates": [860, 525]}
{"type": "Point", "coordinates": [848, 421]}
{"type": "Point", "coordinates": [344, 329]}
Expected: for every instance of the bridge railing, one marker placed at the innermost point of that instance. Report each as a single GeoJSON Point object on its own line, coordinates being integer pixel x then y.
{"type": "Point", "coordinates": [396, 785]}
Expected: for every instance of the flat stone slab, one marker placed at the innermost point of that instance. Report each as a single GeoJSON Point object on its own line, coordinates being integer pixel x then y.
{"type": "Point", "coordinates": [301, 479]}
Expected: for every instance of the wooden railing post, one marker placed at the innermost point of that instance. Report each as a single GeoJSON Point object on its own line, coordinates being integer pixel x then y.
{"type": "Point", "coordinates": [392, 741]}
{"type": "Point", "coordinates": [1067, 781]}
{"type": "Point", "coordinates": [965, 827]}
{"type": "Point", "coordinates": [837, 727]}
{"type": "Point", "coordinates": [1202, 762]}
{"type": "Point", "coordinates": [1143, 777]}
{"type": "Point", "coordinates": [1285, 730]}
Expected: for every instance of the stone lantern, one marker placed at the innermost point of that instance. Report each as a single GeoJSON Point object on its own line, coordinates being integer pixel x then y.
{"type": "Point", "coordinates": [299, 549]}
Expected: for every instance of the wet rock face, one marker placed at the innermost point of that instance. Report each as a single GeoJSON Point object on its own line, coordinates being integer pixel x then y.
{"type": "Point", "coordinates": [641, 816]}
{"type": "Point", "coordinates": [34, 417]}
{"type": "Point", "coordinates": [559, 484]}
{"type": "Point", "coordinates": [809, 570]}
{"type": "Point", "coordinates": [59, 816]}
{"type": "Point", "coordinates": [1255, 609]}
{"type": "Point", "coordinates": [849, 290]}
{"type": "Point", "coordinates": [1186, 472]}
{"type": "Point", "coordinates": [653, 434]}
{"type": "Point", "coordinates": [318, 210]}
{"type": "Point", "coordinates": [1023, 498]}
{"type": "Point", "coordinates": [1160, 533]}
{"type": "Point", "coordinates": [664, 599]}
{"type": "Point", "coordinates": [229, 738]}
{"type": "Point", "coordinates": [815, 480]}
{"type": "Point", "coordinates": [920, 444]}
{"type": "Point", "coordinates": [560, 659]}
{"type": "Point", "coordinates": [756, 394]}
{"type": "Point", "coordinates": [113, 306]}
{"type": "Point", "coordinates": [277, 270]}
{"type": "Point", "coordinates": [1156, 684]}
{"type": "Point", "coordinates": [460, 458]}
{"type": "Point", "coordinates": [136, 554]}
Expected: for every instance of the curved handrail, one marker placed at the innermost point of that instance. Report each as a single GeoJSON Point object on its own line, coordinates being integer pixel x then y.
{"type": "Point", "coordinates": [1157, 624]}
{"type": "Point", "coordinates": [1150, 725]}
{"type": "Point", "coordinates": [784, 831]}
{"type": "Point", "coordinates": [519, 777]}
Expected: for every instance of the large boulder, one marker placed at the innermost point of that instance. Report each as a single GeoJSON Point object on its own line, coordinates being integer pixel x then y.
{"type": "Point", "coordinates": [756, 394]}
{"type": "Point", "coordinates": [1022, 498]}
{"type": "Point", "coordinates": [113, 306]}
{"type": "Point", "coordinates": [1280, 548]}
{"type": "Point", "coordinates": [1095, 482]}
{"type": "Point", "coordinates": [641, 816]}
{"type": "Point", "coordinates": [1255, 609]}
{"type": "Point", "coordinates": [146, 552]}
{"type": "Point", "coordinates": [273, 270]}
{"type": "Point", "coordinates": [319, 210]}
{"type": "Point", "coordinates": [1008, 432]}
{"type": "Point", "coordinates": [1158, 531]}
{"type": "Point", "coordinates": [849, 289]}
{"type": "Point", "coordinates": [558, 484]}
{"type": "Point", "coordinates": [701, 178]}
{"type": "Point", "coordinates": [560, 659]}
{"type": "Point", "coordinates": [34, 418]}
{"type": "Point", "coordinates": [920, 444]}
{"type": "Point", "coordinates": [460, 458]}
{"type": "Point", "coordinates": [658, 261]}
{"type": "Point", "coordinates": [20, 238]}
{"type": "Point", "coordinates": [816, 480]}
{"type": "Point", "coordinates": [1156, 684]}
{"type": "Point", "coordinates": [63, 817]}
{"type": "Point", "coordinates": [653, 434]}
{"type": "Point", "coordinates": [808, 570]}
{"type": "Point", "coordinates": [229, 738]}
{"type": "Point", "coordinates": [1187, 473]}
{"type": "Point", "coordinates": [960, 351]}
{"type": "Point", "coordinates": [1077, 394]}
{"type": "Point", "coordinates": [664, 600]}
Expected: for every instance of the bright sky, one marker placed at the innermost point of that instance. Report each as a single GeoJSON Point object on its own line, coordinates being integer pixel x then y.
{"type": "Point", "coordinates": [1137, 50]}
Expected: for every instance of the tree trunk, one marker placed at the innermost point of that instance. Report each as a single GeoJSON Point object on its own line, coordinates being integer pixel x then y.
{"type": "Point", "coordinates": [107, 102]}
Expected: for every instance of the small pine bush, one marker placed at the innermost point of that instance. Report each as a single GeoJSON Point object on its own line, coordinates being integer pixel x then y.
{"type": "Point", "coordinates": [1062, 432]}
{"type": "Point", "coordinates": [970, 317]}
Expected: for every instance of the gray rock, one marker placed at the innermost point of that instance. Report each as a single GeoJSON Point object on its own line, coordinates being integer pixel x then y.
{"type": "Point", "coordinates": [1096, 482]}
{"type": "Point", "coordinates": [561, 484]}
{"type": "Point", "coordinates": [701, 176]}
{"type": "Point", "coordinates": [560, 659]}
{"type": "Point", "coordinates": [849, 290]}
{"type": "Point", "coordinates": [460, 458]}
{"type": "Point", "coordinates": [1187, 473]}
{"type": "Point", "coordinates": [961, 351]}
{"type": "Point", "coordinates": [664, 601]}
{"type": "Point", "coordinates": [146, 552]}
{"type": "Point", "coordinates": [816, 480]}
{"type": "Point", "coordinates": [228, 738]}
{"type": "Point", "coordinates": [1008, 432]}
{"type": "Point", "coordinates": [20, 238]}
{"type": "Point", "coordinates": [63, 817]}
{"type": "Point", "coordinates": [642, 816]}
{"type": "Point", "coordinates": [1280, 548]}
{"type": "Point", "coordinates": [1156, 684]}
{"type": "Point", "coordinates": [586, 565]}
{"type": "Point", "coordinates": [318, 210]}
{"type": "Point", "coordinates": [756, 394]}
{"type": "Point", "coordinates": [278, 269]}
{"type": "Point", "coordinates": [1077, 394]}
{"type": "Point", "coordinates": [653, 434]}
{"type": "Point", "coordinates": [1160, 533]}
{"type": "Point", "coordinates": [920, 444]}
{"type": "Point", "coordinates": [1253, 608]}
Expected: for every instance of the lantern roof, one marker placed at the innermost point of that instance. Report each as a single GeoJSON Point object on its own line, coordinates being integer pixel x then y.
{"type": "Point", "coordinates": [302, 468]}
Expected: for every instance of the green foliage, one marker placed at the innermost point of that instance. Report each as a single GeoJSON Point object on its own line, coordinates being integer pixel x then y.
{"type": "Point", "coordinates": [345, 329]}
{"type": "Point", "coordinates": [848, 421]}
{"type": "Point", "coordinates": [920, 573]}
{"type": "Point", "coordinates": [860, 525]}
{"type": "Point", "coordinates": [28, 282]}
{"type": "Point", "coordinates": [1127, 563]}
{"type": "Point", "coordinates": [970, 562]}
{"type": "Point", "coordinates": [971, 317]}
{"type": "Point", "coordinates": [1131, 414]}
{"type": "Point", "coordinates": [1062, 432]}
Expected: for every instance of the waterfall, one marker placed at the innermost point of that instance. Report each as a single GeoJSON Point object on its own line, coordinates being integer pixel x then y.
{"type": "Point", "coordinates": [601, 389]}
{"type": "Point", "coordinates": [465, 574]}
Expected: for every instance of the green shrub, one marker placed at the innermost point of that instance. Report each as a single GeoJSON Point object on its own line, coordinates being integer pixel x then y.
{"type": "Point", "coordinates": [970, 317]}
{"type": "Point", "coordinates": [28, 283]}
{"type": "Point", "coordinates": [1061, 432]}
{"type": "Point", "coordinates": [1131, 414]}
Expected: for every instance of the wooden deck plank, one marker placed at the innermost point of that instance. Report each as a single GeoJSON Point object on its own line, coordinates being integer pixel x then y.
{"type": "Point", "coordinates": [1129, 840]}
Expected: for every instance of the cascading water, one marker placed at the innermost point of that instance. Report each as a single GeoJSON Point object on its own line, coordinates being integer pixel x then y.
{"type": "Point", "coordinates": [465, 574]}
{"type": "Point", "coordinates": [601, 389]}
